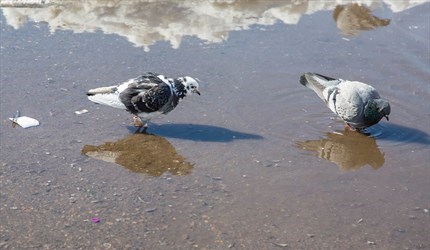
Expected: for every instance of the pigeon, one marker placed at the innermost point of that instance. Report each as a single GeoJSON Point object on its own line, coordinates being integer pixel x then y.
{"type": "Point", "coordinates": [357, 104]}
{"type": "Point", "coordinates": [145, 96]}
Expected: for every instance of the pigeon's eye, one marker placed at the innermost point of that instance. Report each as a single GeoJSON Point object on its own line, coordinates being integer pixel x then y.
{"type": "Point", "coordinates": [193, 87]}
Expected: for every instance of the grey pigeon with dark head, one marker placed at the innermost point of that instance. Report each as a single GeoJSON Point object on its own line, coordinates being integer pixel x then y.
{"type": "Point", "coordinates": [358, 104]}
{"type": "Point", "coordinates": [145, 96]}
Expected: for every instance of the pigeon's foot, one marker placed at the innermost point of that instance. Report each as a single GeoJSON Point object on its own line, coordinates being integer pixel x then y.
{"type": "Point", "coordinates": [359, 130]}
{"type": "Point", "coordinates": [137, 122]}
{"type": "Point", "coordinates": [142, 130]}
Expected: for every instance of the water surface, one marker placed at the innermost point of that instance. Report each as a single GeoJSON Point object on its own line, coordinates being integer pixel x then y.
{"type": "Point", "coordinates": [269, 163]}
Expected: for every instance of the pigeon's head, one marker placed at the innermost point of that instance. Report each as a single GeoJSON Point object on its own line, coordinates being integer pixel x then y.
{"type": "Point", "coordinates": [190, 85]}
{"type": "Point", "coordinates": [383, 107]}
{"type": "Point", "coordinates": [377, 109]}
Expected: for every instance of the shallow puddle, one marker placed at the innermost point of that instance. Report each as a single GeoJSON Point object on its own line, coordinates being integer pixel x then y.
{"type": "Point", "coordinates": [141, 153]}
{"type": "Point", "coordinates": [256, 162]}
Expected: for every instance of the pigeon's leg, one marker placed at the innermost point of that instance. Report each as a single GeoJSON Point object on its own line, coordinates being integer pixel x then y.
{"type": "Point", "coordinates": [145, 127]}
{"type": "Point", "coordinates": [347, 126]}
{"type": "Point", "coordinates": [360, 130]}
{"type": "Point", "coordinates": [363, 131]}
{"type": "Point", "coordinates": [137, 122]}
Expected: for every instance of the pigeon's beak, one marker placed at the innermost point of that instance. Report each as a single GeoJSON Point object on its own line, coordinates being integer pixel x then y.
{"type": "Point", "coordinates": [196, 91]}
{"type": "Point", "coordinates": [386, 117]}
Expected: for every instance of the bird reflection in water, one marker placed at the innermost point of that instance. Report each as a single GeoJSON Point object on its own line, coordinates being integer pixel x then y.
{"type": "Point", "coordinates": [141, 153]}
{"type": "Point", "coordinates": [353, 18]}
{"type": "Point", "coordinates": [350, 150]}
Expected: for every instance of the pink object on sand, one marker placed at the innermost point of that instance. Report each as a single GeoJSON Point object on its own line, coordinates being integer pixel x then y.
{"type": "Point", "coordinates": [95, 219]}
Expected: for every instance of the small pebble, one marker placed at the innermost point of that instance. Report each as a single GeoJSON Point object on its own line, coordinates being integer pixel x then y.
{"type": "Point", "coordinates": [150, 210]}
{"type": "Point", "coordinates": [280, 244]}
{"type": "Point", "coordinates": [372, 243]}
{"type": "Point", "coordinates": [82, 111]}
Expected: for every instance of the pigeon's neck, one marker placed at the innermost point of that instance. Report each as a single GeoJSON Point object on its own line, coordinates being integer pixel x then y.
{"type": "Point", "coordinates": [180, 89]}
{"type": "Point", "coordinates": [372, 112]}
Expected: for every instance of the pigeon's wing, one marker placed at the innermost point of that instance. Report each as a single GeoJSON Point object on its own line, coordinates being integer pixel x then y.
{"type": "Point", "coordinates": [352, 101]}
{"type": "Point", "coordinates": [147, 80]}
{"type": "Point", "coordinates": [148, 101]}
{"type": "Point", "coordinates": [119, 96]}
{"type": "Point", "coordinates": [348, 104]}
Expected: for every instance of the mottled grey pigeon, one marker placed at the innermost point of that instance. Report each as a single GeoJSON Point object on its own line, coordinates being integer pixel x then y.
{"type": "Point", "coordinates": [145, 96]}
{"type": "Point", "coordinates": [356, 103]}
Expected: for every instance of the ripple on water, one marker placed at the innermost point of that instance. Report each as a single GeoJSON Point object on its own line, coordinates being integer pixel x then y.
{"type": "Point", "coordinates": [397, 134]}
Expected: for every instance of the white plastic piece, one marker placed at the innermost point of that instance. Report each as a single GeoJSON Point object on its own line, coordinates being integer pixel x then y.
{"type": "Point", "coordinates": [25, 121]}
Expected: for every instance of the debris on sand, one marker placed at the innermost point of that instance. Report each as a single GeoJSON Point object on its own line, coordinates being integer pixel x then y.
{"type": "Point", "coordinates": [371, 243]}
{"type": "Point", "coordinates": [95, 219]}
{"type": "Point", "coordinates": [280, 244]}
{"type": "Point", "coordinates": [82, 111]}
{"type": "Point", "coordinates": [24, 121]}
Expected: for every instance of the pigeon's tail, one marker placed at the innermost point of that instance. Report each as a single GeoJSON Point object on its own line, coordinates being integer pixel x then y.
{"type": "Point", "coordinates": [106, 96]}
{"type": "Point", "coordinates": [318, 82]}
{"type": "Point", "coordinates": [102, 90]}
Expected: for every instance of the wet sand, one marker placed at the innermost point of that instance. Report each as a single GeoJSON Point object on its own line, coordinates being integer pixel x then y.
{"type": "Point", "coordinates": [270, 166]}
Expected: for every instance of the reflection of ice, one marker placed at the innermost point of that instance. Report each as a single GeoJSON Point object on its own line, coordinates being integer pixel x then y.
{"type": "Point", "coordinates": [144, 22]}
{"type": "Point", "coordinates": [349, 150]}
{"type": "Point", "coordinates": [141, 153]}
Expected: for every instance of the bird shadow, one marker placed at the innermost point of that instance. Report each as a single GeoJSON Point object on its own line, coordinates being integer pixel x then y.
{"type": "Point", "coordinates": [397, 133]}
{"type": "Point", "coordinates": [197, 132]}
